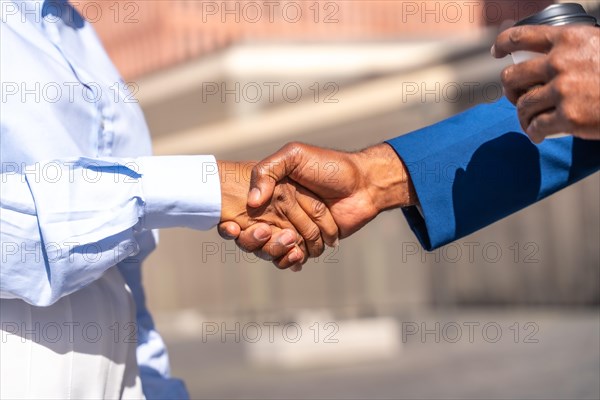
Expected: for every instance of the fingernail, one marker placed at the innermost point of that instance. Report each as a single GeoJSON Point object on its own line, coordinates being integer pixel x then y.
{"type": "Point", "coordinates": [295, 257]}
{"type": "Point", "coordinates": [287, 239]}
{"type": "Point", "coordinates": [254, 196]}
{"type": "Point", "coordinates": [227, 235]}
{"type": "Point", "coordinates": [493, 50]}
{"type": "Point", "coordinates": [261, 234]}
{"type": "Point", "coordinates": [336, 244]}
{"type": "Point", "coordinates": [226, 231]}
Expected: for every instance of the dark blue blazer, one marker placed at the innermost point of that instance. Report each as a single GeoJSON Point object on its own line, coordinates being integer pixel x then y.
{"type": "Point", "coordinates": [477, 167]}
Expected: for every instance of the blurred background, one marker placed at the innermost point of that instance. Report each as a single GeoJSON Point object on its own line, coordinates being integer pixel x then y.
{"type": "Point", "coordinates": [508, 312]}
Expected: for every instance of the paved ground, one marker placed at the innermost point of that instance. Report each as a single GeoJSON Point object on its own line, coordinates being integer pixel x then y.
{"type": "Point", "coordinates": [563, 364]}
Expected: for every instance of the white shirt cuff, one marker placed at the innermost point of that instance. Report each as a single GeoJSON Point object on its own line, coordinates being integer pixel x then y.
{"type": "Point", "coordinates": [180, 191]}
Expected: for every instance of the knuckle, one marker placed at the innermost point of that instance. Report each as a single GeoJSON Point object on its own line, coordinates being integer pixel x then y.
{"type": "Point", "coordinates": [511, 88]}
{"type": "Point", "coordinates": [293, 147]}
{"type": "Point", "coordinates": [282, 198]}
{"type": "Point", "coordinates": [295, 144]}
{"type": "Point", "coordinates": [283, 195]}
{"type": "Point", "coordinates": [572, 115]}
{"type": "Point", "coordinates": [516, 35]}
{"type": "Point", "coordinates": [319, 209]}
{"type": "Point", "coordinates": [569, 35]}
{"type": "Point", "coordinates": [260, 170]}
{"type": "Point", "coordinates": [555, 62]}
{"type": "Point", "coordinates": [294, 150]}
{"type": "Point", "coordinates": [529, 98]}
{"type": "Point", "coordinates": [506, 76]}
{"type": "Point", "coordinates": [562, 86]}
{"type": "Point", "coordinates": [313, 234]}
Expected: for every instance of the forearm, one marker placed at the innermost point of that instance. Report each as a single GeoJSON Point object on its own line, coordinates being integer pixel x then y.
{"type": "Point", "coordinates": [65, 222]}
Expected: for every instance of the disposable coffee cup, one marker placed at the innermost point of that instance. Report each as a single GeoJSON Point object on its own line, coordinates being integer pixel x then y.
{"type": "Point", "coordinates": [555, 15]}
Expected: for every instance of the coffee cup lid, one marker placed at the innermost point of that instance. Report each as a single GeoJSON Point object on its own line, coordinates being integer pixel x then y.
{"type": "Point", "coordinates": [559, 14]}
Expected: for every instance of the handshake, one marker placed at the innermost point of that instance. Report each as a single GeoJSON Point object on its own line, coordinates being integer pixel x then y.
{"type": "Point", "coordinates": [303, 197]}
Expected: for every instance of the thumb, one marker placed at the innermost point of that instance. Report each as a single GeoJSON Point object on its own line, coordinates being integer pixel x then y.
{"type": "Point", "coordinates": [262, 187]}
{"type": "Point", "coordinates": [229, 230]}
{"type": "Point", "coordinates": [267, 173]}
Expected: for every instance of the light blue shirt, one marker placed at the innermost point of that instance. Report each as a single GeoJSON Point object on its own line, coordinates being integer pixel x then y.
{"type": "Point", "coordinates": [80, 192]}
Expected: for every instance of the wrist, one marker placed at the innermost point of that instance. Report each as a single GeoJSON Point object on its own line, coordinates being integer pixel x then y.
{"type": "Point", "coordinates": [386, 178]}
{"type": "Point", "coordinates": [235, 184]}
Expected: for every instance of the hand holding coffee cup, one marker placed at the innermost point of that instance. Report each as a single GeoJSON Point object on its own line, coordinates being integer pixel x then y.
{"type": "Point", "coordinates": [554, 15]}
{"type": "Point", "coordinates": [555, 80]}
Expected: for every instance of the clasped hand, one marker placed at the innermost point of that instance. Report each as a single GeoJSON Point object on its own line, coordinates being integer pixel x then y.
{"type": "Point", "coordinates": [303, 197]}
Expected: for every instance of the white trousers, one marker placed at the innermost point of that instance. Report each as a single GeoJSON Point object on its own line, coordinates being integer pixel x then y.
{"type": "Point", "coordinates": [81, 347]}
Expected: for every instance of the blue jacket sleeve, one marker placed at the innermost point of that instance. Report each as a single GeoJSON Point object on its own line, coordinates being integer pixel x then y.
{"type": "Point", "coordinates": [478, 167]}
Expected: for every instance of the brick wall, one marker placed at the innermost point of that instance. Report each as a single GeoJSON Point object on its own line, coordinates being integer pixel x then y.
{"type": "Point", "coordinates": [146, 36]}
